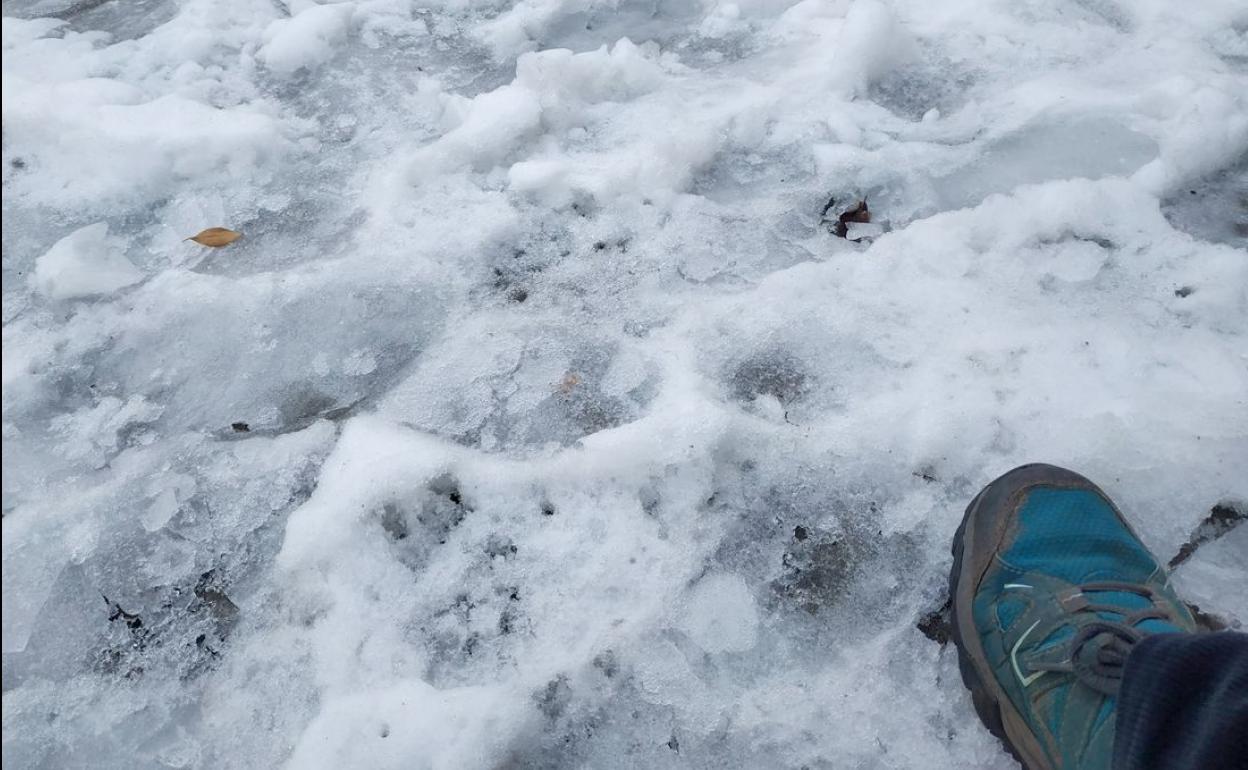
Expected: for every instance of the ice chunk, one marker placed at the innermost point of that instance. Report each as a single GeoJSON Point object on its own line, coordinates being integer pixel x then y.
{"type": "Point", "coordinates": [162, 509]}
{"type": "Point", "coordinates": [871, 43]}
{"type": "Point", "coordinates": [491, 128]}
{"type": "Point", "coordinates": [307, 39]}
{"type": "Point", "coordinates": [87, 262]}
{"type": "Point", "coordinates": [618, 73]}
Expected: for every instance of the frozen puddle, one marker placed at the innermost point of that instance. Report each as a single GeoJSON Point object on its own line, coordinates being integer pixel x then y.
{"type": "Point", "coordinates": [1088, 148]}
{"type": "Point", "coordinates": [539, 418]}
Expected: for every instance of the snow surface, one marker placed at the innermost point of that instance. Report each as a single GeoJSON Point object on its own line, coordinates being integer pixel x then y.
{"type": "Point", "coordinates": [537, 420]}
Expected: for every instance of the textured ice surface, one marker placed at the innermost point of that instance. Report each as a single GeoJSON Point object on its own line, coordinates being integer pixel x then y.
{"type": "Point", "coordinates": [538, 420]}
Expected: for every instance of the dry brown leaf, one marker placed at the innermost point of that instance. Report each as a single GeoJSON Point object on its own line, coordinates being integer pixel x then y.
{"type": "Point", "coordinates": [570, 381]}
{"type": "Point", "coordinates": [216, 237]}
{"type": "Point", "coordinates": [858, 214]}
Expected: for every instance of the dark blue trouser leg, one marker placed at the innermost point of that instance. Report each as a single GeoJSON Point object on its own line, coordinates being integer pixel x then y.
{"type": "Point", "coordinates": [1184, 704]}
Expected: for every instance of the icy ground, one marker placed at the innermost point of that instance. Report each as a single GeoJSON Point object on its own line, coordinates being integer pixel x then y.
{"type": "Point", "coordinates": [538, 420]}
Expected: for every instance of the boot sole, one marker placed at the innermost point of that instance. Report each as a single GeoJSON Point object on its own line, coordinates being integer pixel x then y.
{"type": "Point", "coordinates": [987, 706]}
{"type": "Point", "coordinates": [992, 705]}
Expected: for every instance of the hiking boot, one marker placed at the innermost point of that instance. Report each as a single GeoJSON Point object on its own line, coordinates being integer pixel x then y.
{"type": "Point", "coordinates": [1051, 591]}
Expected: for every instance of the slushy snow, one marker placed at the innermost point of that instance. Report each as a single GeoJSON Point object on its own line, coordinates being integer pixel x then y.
{"type": "Point", "coordinates": [540, 419]}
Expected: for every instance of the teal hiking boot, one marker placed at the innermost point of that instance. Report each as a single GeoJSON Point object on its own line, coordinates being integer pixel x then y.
{"type": "Point", "coordinates": [1051, 590]}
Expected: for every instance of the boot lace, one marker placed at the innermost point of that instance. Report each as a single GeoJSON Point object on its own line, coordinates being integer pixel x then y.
{"type": "Point", "coordinates": [1097, 653]}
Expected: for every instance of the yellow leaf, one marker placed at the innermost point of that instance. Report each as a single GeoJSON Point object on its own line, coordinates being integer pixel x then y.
{"type": "Point", "coordinates": [216, 237]}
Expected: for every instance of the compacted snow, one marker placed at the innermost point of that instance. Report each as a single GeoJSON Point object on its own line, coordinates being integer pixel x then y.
{"type": "Point", "coordinates": [541, 417]}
